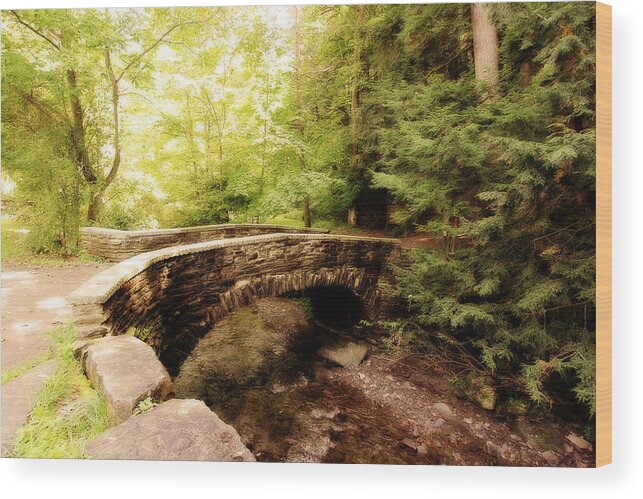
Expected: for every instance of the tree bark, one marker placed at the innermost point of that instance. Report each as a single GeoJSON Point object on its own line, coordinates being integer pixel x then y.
{"type": "Point", "coordinates": [356, 71]}
{"type": "Point", "coordinates": [485, 44]}
{"type": "Point", "coordinates": [96, 198]}
{"type": "Point", "coordinates": [77, 131]}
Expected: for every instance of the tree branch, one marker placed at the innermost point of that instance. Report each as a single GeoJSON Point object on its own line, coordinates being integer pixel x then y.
{"type": "Point", "coordinates": [34, 30]}
{"type": "Point", "coordinates": [117, 144]}
{"type": "Point", "coordinates": [151, 47]}
{"type": "Point", "coordinates": [42, 106]}
{"type": "Point", "coordinates": [450, 60]}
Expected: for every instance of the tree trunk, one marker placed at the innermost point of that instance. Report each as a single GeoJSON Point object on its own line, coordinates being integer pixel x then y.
{"type": "Point", "coordinates": [352, 216]}
{"type": "Point", "coordinates": [356, 72]}
{"type": "Point", "coordinates": [300, 126]}
{"type": "Point", "coordinates": [485, 44]}
{"type": "Point", "coordinates": [95, 206]}
{"type": "Point", "coordinates": [307, 217]}
{"type": "Point", "coordinates": [77, 132]}
{"type": "Point", "coordinates": [355, 80]}
{"type": "Point", "coordinates": [96, 198]}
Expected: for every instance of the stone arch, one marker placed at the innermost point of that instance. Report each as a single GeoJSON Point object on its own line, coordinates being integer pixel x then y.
{"type": "Point", "coordinates": [176, 341]}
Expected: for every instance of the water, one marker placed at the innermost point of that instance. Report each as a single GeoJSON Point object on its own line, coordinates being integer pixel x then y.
{"type": "Point", "coordinates": [258, 370]}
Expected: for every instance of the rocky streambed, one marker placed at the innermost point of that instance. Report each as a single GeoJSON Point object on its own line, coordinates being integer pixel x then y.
{"type": "Point", "coordinates": [297, 391]}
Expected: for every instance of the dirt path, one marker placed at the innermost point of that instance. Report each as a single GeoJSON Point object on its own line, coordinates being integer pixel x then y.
{"type": "Point", "coordinates": [33, 302]}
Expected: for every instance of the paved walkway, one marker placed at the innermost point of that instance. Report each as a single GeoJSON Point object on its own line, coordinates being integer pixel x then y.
{"type": "Point", "coordinates": [33, 302]}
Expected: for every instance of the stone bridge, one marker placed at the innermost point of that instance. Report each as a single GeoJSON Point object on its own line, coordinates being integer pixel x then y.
{"type": "Point", "coordinates": [173, 296]}
{"type": "Point", "coordinates": [170, 297]}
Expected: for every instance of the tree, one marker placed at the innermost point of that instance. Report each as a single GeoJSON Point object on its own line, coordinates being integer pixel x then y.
{"type": "Point", "coordinates": [356, 75]}
{"type": "Point", "coordinates": [300, 125]}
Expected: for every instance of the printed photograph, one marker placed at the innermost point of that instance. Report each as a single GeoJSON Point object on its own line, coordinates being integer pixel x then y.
{"type": "Point", "coordinates": [359, 234]}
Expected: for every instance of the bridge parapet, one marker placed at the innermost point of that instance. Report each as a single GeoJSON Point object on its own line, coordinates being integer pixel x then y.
{"type": "Point", "coordinates": [118, 245]}
{"type": "Point", "coordinates": [172, 296]}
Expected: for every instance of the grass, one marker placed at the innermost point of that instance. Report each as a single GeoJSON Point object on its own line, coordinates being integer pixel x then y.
{"type": "Point", "coordinates": [16, 250]}
{"type": "Point", "coordinates": [294, 219]}
{"type": "Point", "coordinates": [285, 220]}
{"type": "Point", "coordinates": [16, 372]}
{"type": "Point", "coordinates": [69, 412]}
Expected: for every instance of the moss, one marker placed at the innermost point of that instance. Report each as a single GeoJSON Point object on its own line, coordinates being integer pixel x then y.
{"type": "Point", "coordinates": [479, 389]}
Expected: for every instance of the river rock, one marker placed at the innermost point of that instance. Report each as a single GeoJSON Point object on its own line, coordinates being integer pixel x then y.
{"type": "Point", "coordinates": [551, 457]}
{"type": "Point", "coordinates": [126, 370]}
{"type": "Point", "coordinates": [579, 442]}
{"type": "Point", "coordinates": [443, 410]}
{"type": "Point", "coordinates": [344, 355]}
{"type": "Point", "coordinates": [176, 430]}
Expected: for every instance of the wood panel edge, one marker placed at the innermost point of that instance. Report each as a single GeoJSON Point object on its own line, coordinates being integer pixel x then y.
{"type": "Point", "coordinates": [603, 234]}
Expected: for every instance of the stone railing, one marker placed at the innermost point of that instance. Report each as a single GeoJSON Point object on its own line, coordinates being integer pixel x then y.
{"type": "Point", "coordinates": [171, 297]}
{"type": "Point", "coordinates": [117, 245]}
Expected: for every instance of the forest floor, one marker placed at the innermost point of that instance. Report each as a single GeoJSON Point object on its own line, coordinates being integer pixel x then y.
{"type": "Point", "coordinates": [449, 429]}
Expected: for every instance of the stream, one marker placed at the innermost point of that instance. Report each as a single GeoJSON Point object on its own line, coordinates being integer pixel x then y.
{"type": "Point", "coordinates": [259, 369]}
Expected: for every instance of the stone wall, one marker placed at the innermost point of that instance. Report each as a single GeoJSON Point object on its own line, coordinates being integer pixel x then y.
{"type": "Point", "coordinates": [118, 245]}
{"type": "Point", "coordinates": [171, 297]}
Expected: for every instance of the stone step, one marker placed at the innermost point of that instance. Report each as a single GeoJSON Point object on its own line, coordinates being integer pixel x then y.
{"type": "Point", "coordinates": [126, 370]}
{"type": "Point", "coordinates": [176, 430]}
{"type": "Point", "coordinates": [18, 398]}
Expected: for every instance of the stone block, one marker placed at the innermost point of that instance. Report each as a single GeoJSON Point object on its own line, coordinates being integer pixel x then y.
{"type": "Point", "coordinates": [126, 370]}
{"type": "Point", "coordinates": [177, 430]}
{"type": "Point", "coordinates": [344, 355]}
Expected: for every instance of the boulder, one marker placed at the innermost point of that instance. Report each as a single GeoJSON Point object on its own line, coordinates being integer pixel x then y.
{"type": "Point", "coordinates": [344, 354]}
{"type": "Point", "coordinates": [126, 370]}
{"type": "Point", "coordinates": [176, 430]}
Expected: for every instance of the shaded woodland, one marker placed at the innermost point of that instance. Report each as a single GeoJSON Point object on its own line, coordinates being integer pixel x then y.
{"type": "Point", "coordinates": [471, 124]}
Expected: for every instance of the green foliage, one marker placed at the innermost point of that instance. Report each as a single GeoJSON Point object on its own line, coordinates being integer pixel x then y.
{"type": "Point", "coordinates": [145, 405]}
{"type": "Point", "coordinates": [132, 205]}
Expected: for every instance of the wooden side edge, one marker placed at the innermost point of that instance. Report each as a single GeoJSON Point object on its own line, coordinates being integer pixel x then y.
{"type": "Point", "coordinates": [603, 234]}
